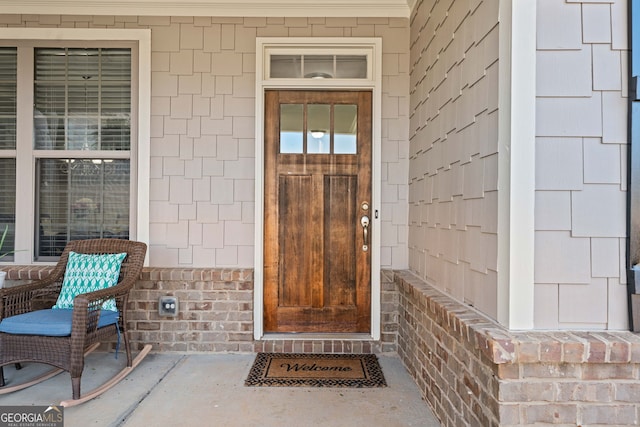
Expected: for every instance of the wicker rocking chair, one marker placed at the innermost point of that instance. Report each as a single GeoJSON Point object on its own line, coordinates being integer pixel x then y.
{"type": "Point", "coordinates": [67, 334]}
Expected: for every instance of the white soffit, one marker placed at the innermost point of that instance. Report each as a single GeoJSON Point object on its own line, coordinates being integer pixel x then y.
{"type": "Point", "coordinates": [246, 8]}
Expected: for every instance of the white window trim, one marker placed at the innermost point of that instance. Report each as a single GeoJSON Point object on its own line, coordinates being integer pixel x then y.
{"type": "Point", "coordinates": [276, 45]}
{"type": "Point", "coordinates": [140, 155]}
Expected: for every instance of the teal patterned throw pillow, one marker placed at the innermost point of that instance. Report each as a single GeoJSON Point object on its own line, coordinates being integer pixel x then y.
{"type": "Point", "coordinates": [88, 273]}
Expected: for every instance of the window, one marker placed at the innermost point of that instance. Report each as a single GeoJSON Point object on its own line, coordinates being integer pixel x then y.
{"type": "Point", "coordinates": [68, 118]}
{"type": "Point", "coordinates": [82, 102]}
{"type": "Point", "coordinates": [318, 66]}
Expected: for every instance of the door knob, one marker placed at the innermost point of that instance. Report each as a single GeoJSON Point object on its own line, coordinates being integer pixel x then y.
{"type": "Point", "coordinates": [364, 221]}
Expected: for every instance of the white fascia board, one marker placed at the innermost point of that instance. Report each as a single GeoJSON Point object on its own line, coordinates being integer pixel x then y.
{"type": "Point", "coordinates": [251, 8]}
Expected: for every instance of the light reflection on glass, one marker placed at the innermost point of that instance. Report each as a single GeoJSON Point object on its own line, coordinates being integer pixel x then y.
{"type": "Point", "coordinates": [319, 144]}
{"type": "Point", "coordinates": [318, 125]}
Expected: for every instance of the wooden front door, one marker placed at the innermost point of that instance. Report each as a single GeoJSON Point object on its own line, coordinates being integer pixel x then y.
{"type": "Point", "coordinates": [317, 253]}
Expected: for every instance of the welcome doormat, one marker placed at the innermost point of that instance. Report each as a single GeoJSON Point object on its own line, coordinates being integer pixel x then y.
{"type": "Point", "coordinates": [315, 370]}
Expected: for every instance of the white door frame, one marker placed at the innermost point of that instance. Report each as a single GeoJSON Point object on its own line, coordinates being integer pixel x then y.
{"type": "Point", "coordinates": [372, 47]}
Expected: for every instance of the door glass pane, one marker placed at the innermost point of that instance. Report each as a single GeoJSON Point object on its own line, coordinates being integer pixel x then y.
{"type": "Point", "coordinates": [346, 129]}
{"type": "Point", "coordinates": [291, 128]}
{"type": "Point", "coordinates": [351, 67]}
{"type": "Point", "coordinates": [7, 206]}
{"type": "Point", "coordinates": [318, 129]}
{"type": "Point", "coordinates": [80, 199]}
{"type": "Point", "coordinates": [8, 84]}
{"type": "Point", "coordinates": [285, 66]}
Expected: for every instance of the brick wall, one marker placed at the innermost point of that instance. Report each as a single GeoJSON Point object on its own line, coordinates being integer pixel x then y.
{"type": "Point", "coordinates": [215, 310]}
{"type": "Point", "coordinates": [216, 313]}
{"type": "Point", "coordinates": [471, 371]}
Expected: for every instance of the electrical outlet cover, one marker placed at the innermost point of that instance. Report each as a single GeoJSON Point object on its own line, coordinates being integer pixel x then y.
{"type": "Point", "coordinates": [168, 306]}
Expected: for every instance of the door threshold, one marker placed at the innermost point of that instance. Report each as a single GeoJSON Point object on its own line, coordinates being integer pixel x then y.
{"type": "Point", "coordinates": [316, 336]}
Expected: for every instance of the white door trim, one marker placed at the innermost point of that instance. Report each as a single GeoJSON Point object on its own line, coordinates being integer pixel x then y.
{"type": "Point", "coordinates": [373, 48]}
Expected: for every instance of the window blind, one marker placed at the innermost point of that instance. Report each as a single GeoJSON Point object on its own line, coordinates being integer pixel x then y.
{"type": "Point", "coordinates": [82, 98]}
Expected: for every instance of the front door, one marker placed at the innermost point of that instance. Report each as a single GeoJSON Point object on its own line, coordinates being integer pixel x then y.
{"type": "Point", "coordinates": [317, 254]}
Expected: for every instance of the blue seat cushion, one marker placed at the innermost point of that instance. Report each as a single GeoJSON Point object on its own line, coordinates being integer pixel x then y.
{"type": "Point", "coordinates": [51, 323]}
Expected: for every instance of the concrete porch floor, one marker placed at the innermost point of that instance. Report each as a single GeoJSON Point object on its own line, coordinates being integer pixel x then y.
{"type": "Point", "coordinates": [208, 390]}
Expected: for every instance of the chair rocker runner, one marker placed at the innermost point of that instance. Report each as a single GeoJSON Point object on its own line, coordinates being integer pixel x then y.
{"type": "Point", "coordinates": [90, 287]}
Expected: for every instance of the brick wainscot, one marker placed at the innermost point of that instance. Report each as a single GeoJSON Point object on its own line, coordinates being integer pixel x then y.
{"type": "Point", "coordinates": [470, 370]}
{"type": "Point", "coordinates": [474, 372]}
{"type": "Point", "coordinates": [215, 313]}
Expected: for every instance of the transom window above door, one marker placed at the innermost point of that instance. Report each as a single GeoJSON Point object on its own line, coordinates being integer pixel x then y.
{"type": "Point", "coordinates": [318, 62]}
{"type": "Point", "coordinates": [318, 66]}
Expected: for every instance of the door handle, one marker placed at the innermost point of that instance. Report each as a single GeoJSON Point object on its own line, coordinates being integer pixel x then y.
{"type": "Point", "coordinates": [364, 221]}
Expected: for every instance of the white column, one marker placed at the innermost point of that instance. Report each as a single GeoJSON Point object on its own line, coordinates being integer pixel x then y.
{"type": "Point", "coordinates": [516, 183]}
